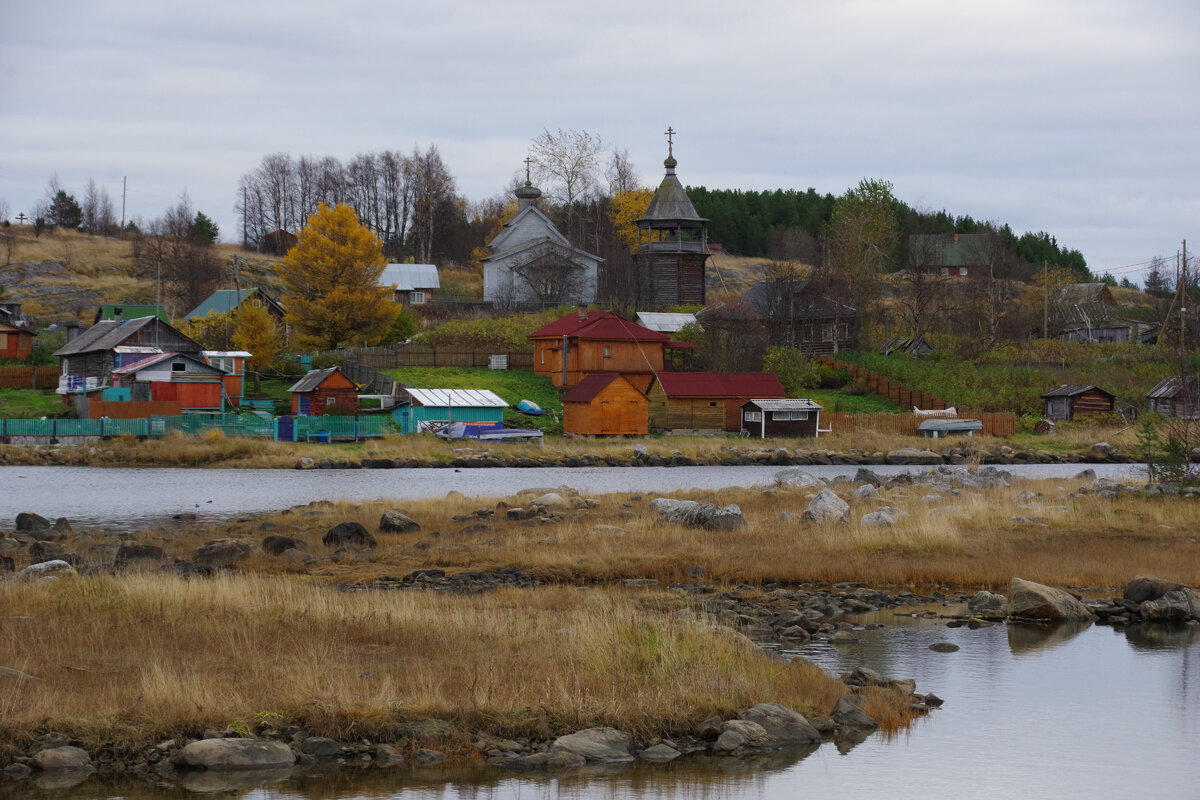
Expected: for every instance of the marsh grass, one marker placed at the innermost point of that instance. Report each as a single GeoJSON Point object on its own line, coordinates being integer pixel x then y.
{"type": "Point", "coordinates": [123, 660]}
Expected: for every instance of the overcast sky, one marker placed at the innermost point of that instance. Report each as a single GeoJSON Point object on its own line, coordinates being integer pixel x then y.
{"type": "Point", "coordinates": [1079, 118]}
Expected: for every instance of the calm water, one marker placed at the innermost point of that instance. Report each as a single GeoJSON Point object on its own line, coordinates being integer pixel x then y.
{"type": "Point", "coordinates": [1030, 713]}
{"type": "Point", "coordinates": [128, 498]}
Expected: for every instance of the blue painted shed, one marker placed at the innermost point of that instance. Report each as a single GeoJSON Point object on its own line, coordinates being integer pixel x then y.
{"type": "Point", "coordinates": [429, 410]}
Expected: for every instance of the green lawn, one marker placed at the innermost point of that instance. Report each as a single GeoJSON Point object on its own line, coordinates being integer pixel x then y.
{"type": "Point", "coordinates": [29, 404]}
{"type": "Point", "coordinates": [511, 385]}
{"type": "Point", "coordinates": [869, 403]}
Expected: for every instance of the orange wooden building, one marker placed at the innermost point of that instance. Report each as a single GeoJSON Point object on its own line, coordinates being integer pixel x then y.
{"type": "Point", "coordinates": [16, 332]}
{"type": "Point", "coordinates": [605, 404]}
{"type": "Point", "coordinates": [588, 342]}
{"type": "Point", "coordinates": [322, 388]}
{"type": "Point", "coordinates": [173, 380]}
{"type": "Point", "coordinates": [707, 400]}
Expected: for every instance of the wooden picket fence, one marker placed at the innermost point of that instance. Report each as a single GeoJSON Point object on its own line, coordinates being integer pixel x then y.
{"type": "Point", "coordinates": [426, 356]}
{"type": "Point", "coordinates": [29, 377]}
{"type": "Point", "coordinates": [1002, 423]}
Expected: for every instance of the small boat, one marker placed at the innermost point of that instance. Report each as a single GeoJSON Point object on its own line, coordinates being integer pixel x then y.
{"type": "Point", "coordinates": [529, 407]}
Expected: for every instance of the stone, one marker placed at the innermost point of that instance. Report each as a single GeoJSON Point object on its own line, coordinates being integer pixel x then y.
{"type": "Point", "coordinates": [130, 552]}
{"type": "Point", "coordinates": [866, 492]}
{"type": "Point", "coordinates": [277, 545]}
{"type": "Point", "coordinates": [692, 514]}
{"type": "Point", "coordinates": [1029, 600]}
{"type": "Point", "coordinates": [796, 479]}
{"type": "Point", "coordinates": [738, 735]}
{"type": "Point", "coordinates": [46, 550]}
{"type": "Point", "coordinates": [348, 533]}
{"type": "Point", "coordinates": [597, 744]}
{"type": "Point", "coordinates": [426, 756]}
{"type": "Point", "coordinates": [1145, 587]}
{"type": "Point", "coordinates": [849, 717]}
{"type": "Point", "coordinates": [552, 501]}
{"type": "Point", "coordinates": [397, 522]}
{"type": "Point", "coordinates": [826, 507]}
{"type": "Point", "coordinates": [1177, 605]}
{"type": "Point", "coordinates": [659, 752]}
{"type": "Point", "coordinates": [986, 604]}
{"type": "Point", "coordinates": [61, 758]}
{"type": "Point", "coordinates": [943, 647]}
{"type": "Point", "coordinates": [782, 724]}
{"type": "Point", "coordinates": [913, 456]}
{"type": "Point", "coordinates": [549, 759]}
{"type": "Point", "coordinates": [28, 521]}
{"type": "Point", "coordinates": [234, 754]}
{"type": "Point", "coordinates": [877, 519]}
{"type": "Point", "coordinates": [868, 477]}
{"type": "Point", "coordinates": [46, 568]}
{"type": "Point", "coordinates": [222, 552]}
{"type": "Point", "coordinates": [843, 637]}
{"type": "Point", "coordinates": [320, 747]}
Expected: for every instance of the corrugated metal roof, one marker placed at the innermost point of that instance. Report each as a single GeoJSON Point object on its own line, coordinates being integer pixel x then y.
{"type": "Point", "coordinates": [786, 404]}
{"type": "Point", "coordinates": [152, 360]}
{"type": "Point", "coordinates": [456, 398]}
{"type": "Point", "coordinates": [409, 277]}
{"type": "Point", "coordinates": [569, 323]}
{"type": "Point", "coordinates": [222, 301]}
{"type": "Point", "coordinates": [720, 384]}
{"type": "Point", "coordinates": [664, 322]}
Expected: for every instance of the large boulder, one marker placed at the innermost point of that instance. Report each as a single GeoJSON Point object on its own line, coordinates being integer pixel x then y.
{"type": "Point", "coordinates": [797, 479]}
{"type": "Point", "coordinates": [235, 754]}
{"type": "Point", "coordinates": [222, 552]}
{"type": "Point", "coordinates": [692, 514]}
{"type": "Point", "coordinates": [397, 522]}
{"type": "Point", "coordinates": [738, 735]}
{"type": "Point", "coordinates": [131, 551]}
{"type": "Point", "coordinates": [597, 744]}
{"type": "Point", "coordinates": [782, 724]}
{"type": "Point", "coordinates": [348, 533]}
{"type": "Point", "coordinates": [45, 568]}
{"type": "Point", "coordinates": [1029, 600]}
{"type": "Point", "coordinates": [277, 544]}
{"type": "Point", "coordinates": [849, 717]}
{"type": "Point", "coordinates": [987, 604]}
{"type": "Point", "coordinates": [1144, 587]}
{"type": "Point", "coordinates": [1177, 605]}
{"type": "Point", "coordinates": [28, 521]}
{"type": "Point", "coordinates": [551, 501]}
{"type": "Point", "coordinates": [61, 758]}
{"type": "Point", "coordinates": [826, 507]}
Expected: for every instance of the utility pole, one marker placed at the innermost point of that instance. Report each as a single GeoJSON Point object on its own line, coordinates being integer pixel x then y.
{"type": "Point", "coordinates": [124, 186]}
{"type": "Point", "coordinates": [1045, 299]}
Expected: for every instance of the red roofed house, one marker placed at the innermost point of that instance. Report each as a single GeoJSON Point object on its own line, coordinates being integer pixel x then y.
{"type": "Point", "coordinates": [588, 342]}
{"type": "Point", "coordinates": [707, 400]}
{"type": "Point", "coordinates": [607, 404]}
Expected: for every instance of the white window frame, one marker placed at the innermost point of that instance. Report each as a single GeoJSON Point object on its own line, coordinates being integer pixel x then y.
{"type": "Point", "coordinates": [416, 298]}
{"type": "Point", "coordinates": [753, 416]}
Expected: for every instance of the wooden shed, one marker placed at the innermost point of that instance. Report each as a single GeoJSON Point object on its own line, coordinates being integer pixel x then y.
{"type": "Point", "coordinates": [707, 400]}
{"type": "Point", "coordinates": [430, 410]}
{"type": "Point", "coordinates": [16, 332]}
{"type": "Point", "coordinates": [172, 378]}
{"type": "Point", "coordinates": [1068, 402]}
{"type": "Point", "coordinates": [322, 388]}
{"type": "Point", "coordinates": [1177, 396]}
{"type": "Point", "coordinates": [763, 418]}
{"type": "Point", "coordinates": [605, 404]}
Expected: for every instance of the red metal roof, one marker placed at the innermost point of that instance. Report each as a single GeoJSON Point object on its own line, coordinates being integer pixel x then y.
{"type": "Point", "coordinates": [598, 325]}
{"type": "Point", "coordinates": [720, 384]}
{"type": "Point", "coordinates": [569, 324]}
{"type": "Point", "coordinates": [587, 389]}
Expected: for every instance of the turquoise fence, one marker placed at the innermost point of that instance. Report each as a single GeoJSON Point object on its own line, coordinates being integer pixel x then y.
{"type": "Point", "coordinates": [311, 429]}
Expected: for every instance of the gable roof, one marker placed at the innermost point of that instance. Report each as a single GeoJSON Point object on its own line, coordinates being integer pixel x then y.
{"type": "Point", "coordinates": [546, 243]}
{"type": "Point", "coordinates": [1072, 391]}
{"type": "Point", "coordinates": [137, 366]}
{"type": "Point", "coordinates": [720, 384]}
{"type": "Point", "coordinates": [568, 324]}
{"type": "Point", "coordinates": [410, 277]}
{"type": "Point", "coordinates": [804, 305]}
{"type": "Point", "coordinates": [948, 249]}
{"type": "Point", "coordinates": [107, 334]}
{"type": "Point", "coordinates": [587, 389]}
{"type": "Point", "coordinates": [224, 301]}
{"type": "Point", "coordinates": [530, 216]}
{"type": "Point", "coordinates": [785, 404]}
{"type": "Point", "coordinates": [665, 322]}
{"type": "Point", "coordinates": [1174, 385]}
{"type": "Point", "coordinates": [456, 398]}
{"type": "Point", "coordinates": [315, 378]}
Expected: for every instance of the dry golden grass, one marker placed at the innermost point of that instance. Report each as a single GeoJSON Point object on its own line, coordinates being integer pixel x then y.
{"type": "Point", "coordinates": [125, 660]}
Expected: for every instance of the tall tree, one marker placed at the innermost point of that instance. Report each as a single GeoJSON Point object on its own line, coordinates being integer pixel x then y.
{"type": "Point", "coordinates": [332, 277]}
{"type": "Point", "coordinates": [566, 165]}
{"type": "Point", "coordinates": [434, 201]}
{"type": "Point", "coordinates": [862, 241]}
{"type": "Point", "coordinates": [254, 331]}
{"type": "Point", "coordinates": [187, 263]}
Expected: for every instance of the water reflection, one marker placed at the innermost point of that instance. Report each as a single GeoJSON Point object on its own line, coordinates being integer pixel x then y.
{"type": "Point", "coordinates": [1027, 637]}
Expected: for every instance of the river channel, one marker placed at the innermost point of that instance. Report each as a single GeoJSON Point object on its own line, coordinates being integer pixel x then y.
{"type": "Point", "coordinates": [1031, 712]}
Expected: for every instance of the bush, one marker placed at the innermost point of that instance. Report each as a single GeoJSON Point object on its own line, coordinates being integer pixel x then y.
{"type": "Point", "coordinates": [338, 410]}
{"type": "Point", "coordinates": [326, 360]}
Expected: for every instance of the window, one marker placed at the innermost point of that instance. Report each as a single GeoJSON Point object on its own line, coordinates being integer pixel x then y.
{"type": "Point", "coordinates": [543, 356]}
{"type": "Point", "coordinates": [753, 416]}
{"type": "Point", "coordinates": [787, 415]}
{"type": "Point", "coordinates": [416, 298]}
{"type": "Point", "coordinates": [178, 366]}
{"type": "Point", "coordinates": [330, 401]}
{"type": "Point", "coordinates": [945, 270]}
{"type": "Point", "coordinates": [962, 271]}
{"type": "Point", "coordinates": [712, 404]}
{"type": "Point", "coordinates": [607, 351]}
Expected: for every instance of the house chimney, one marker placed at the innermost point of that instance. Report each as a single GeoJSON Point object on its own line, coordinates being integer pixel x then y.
{"type": "Point", "coordinates": [73, 329]}
{"type": "Point", "coordinates": [956, 238]}
{"type": "Point", "coordinates": [583, 312]}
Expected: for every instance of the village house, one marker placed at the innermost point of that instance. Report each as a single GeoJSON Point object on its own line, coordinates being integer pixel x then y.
{"type": "Point", "coordinates": [707, 401]}
{"type": "Point", "coordinates": [89, 359]}
{"type": "Point", "coordinates": [322, 389]}
{"type": "Point", "coordinates": [531, 262]}
{"type": "Point", "coordinates": [580, 344]}
{"type": "Point", "coordinates": [16, 332]}
{"type": "Point", "coordinates": [605, 404]}
{"type": "Point", "coordinates": [797, 315]}
{"type": "Point", "coordinates": [233, 364]}
{"type": "Point", "coordinates": [411, 284]}
{"type": "Point", "coordinates": [1177, 396]}
{"type": "Point", "coordinates": [228, 301]}
{"type": "Point", "coordinates": [1088, 312]}
{"type": "Point", "coordinates": [171, 379]}
{"type": "Point", "coordinates": [119, 312]}
{"type": "Point", "coordinates": [951, 255]}
{"type": "Point", "coordinates": [1068, 402]}
{"type": "Point", "coordinates": [781, 418]}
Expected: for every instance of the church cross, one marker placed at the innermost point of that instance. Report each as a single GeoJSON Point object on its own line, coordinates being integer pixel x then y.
{"type": "Point", "coordinates": [670, 140]}
{"type": "Point", "coordinates": [528, 161]}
